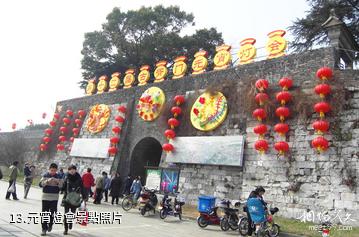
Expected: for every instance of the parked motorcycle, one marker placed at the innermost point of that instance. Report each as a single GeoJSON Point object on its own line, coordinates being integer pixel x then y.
{"type": "Point", "coordinates": [148, 201]}
{"type": "Point", "coordinates": [166, 207]}
{"type": "Point", "coordinates": [210, 217]}
{"type": "Point", "coordinates": [230, 218]}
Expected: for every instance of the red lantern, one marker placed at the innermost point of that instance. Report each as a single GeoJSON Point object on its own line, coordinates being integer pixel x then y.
{"type": "Point", "coordinates": [259, 114]}
{"type": "Point", "coordinates": [283, 97]}
{"type": "Point", "coordinates": [176, 111]}
{"type": "Point", "coordinates": [261, 98]}
{"type": "Point", "coordinates": [46, 140]}
{"type": "Point", "coordinates": [13, 126]}
{"type": "Point", "coordinates": [281, 147]}
{"type": "Point", "coordinates": [321, 126]}
{"type": "Point", "coordinates": [320, 143]}
{"type": "Point", "coordinates": [119, 119]}
{"type": "Point", "coordinates": [116, 130]}
{"type": "Point", "coordinates": [69, 113]}
{"type": "Point", "coordinates": [322, 108]}
{"type": "Point", "coordinates": [172, 122]}
{"type": "Point", "coordinates": [48, 131]}
{"type": "Point", "coordinates": [114, 140]}
{"type": "Point", "coordinates": [168, 147]}
{"type": "Point", "coordinates": [75, 131]}
{"type": "Point", "coordinates": [122, 109]}
{"type": "Point", "coordinates": [262, 84]}
{"type": "Point", "coordinates": [66, 121]}
{"type": "Point", "coordinates": [324, 73]}
{"type": "Point", "coordinates": [260, 129]}
{"type": "Point", "coordinates": [52, 123]}
{"type": "Point", "coordinates": [261, 146]}
{"type": "Point", "coordinates": [282, 113]}
{"type": "Point", "coordinates": [43, 147]}
{"type": "Point", "coordinates": [285, 83]}
{"type": "Point", "coordinates": [322, 90]}
{"type": "Point", "coordinates": [112, 151]}
{"type": "Point", "coordinates": [43, 115]}
{"type": "Point", "coordinates": [281, 128]}
{"type": "Point", "coordinates": [170, 134]}
{"type": "Point", "coordinates": [56, 116]}
{"type": "Point", "coordinates": [81, 113]}
{"type": "Point", "coordinates": [179, 99]}
{"type": "Point", "coordinates": [78, 122]}
{"type": "Point", "coordinates": [60, 147]}
{"type": "Point", "coordinates": [71, 139]}
{"type": "Point", "coordinates": [62, 138]}
{"type": "Point", "coordinates": [63, 130]}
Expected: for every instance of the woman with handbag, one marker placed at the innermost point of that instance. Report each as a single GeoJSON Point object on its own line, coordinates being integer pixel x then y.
{"type": "Point", "coordinates": [74, 194]}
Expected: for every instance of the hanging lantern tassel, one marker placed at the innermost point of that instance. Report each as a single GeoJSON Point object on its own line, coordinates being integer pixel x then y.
{"type": "Point", "coordinates": [260, 129]}
{"type": "Point", "coordinates": [179, 99]}
{"type": "Point", "coordinates": [324, 73]}
{"type": "Point", "coordinates": [262, 84]}
{"type": "Point", "coordinates": [321, 126]}
{"type": "Point", "coordinates": [112, 151]}
{"type": "Point", "coordinates": [282, 147]}
{"type": "Point", "coordinates": [170, 134]}
{"type": "Point", "coordinates": [283, 97]}
{"type": "Point", "coordinates": [261, 146]}
{"type": "Point", "coordinates": [282, 113]}
{"type": "Point", "coordinates": [176, 111]}
{"type": "Point", "coordinates": [320, 144]}
{"type": "Point", "coordinates": [168, 147]}
{"type": "Point", "coordinates": [261, 98]}
{"type": "Point", "coordinates": [172, 122]}
{"type": "Point", "coordinates": [322, 108]}
{"type": "Point", "coordinates": [285, 83]}
{"type": "Point", "coordinates": [259, 114]}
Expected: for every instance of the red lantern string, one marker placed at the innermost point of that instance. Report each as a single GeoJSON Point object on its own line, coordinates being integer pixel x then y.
{"type": "Point", "coordinates": [261, 98]}
{"type": "Point", "coordinates": [282, 128]}
{"type": "Point", "coordinates": [114, 141]}
{"type": "Point", "coordinates": [173, 122]}
{"type": "Point", "coordinates": [321, 126]}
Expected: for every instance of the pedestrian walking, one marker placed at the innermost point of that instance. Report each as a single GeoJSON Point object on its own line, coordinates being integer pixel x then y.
{"type": "Point", "coordinates": [13, 172]}
{"type": "Point", "coordinates": [74, 194]}
{"type": "Point", "coordinates": [136, 188]}
{"type": "Point", "coordinates": [100, 185]}
{"type": "Point", "coordinates": [62, 176]}
{"type": "Point", "coordinates": [128, 184]}
{"type": "Point", "coordinates": [51, 185]}
{"type": "Point", "coordinates": [107, 186]}
{"type": "Point", "coordinates": [115, 187]}
{"type": "Point", "coordinates": [29, 174]}
{"type": "Point", "coordinates": [88, 182]}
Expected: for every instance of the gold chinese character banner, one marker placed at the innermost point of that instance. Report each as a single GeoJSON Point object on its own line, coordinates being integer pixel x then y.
{"type": "Point", "coordinates": [247, 51]}
{"type": "Point", "coordinates": [144, 75]}
{"type": "Point", "coordinates": [161, 71]}
{"type": "Point", "coordinates": [209, 111]}
{"type": "Point", "coordinates": [276, 44]}
{"type": "Point", "coordinates": [115, 81]}
{"type": "Point", "coordinates": [179, 67]}
{"type": "Point", "coordinates": [200, 62]}
{"type": "Point", "coordinates": [223, 57]}
{"type": "Point", "coordinates": [91, 87]}
{"type": "Point", "coordinates": [129, 78]}
{"type": "Point", "coordinates": [102, 84]}
{"type": "Point", "coordinates": [151, 103]}
{"type": "Point", "coordinates": [98, 118]}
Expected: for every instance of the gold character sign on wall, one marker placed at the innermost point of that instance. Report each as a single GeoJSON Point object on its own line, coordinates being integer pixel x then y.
{"type": "Point", "coordinates": [200, 62]}
{"type": "Point", "coordinates": [144, 75]}
{"type": "Point", "coordinates": [180, 67]}
{"type": "Point", "coordinates": [276, 44]}
{"type": "Point", "coordinates": [161, 71]}
{"type": "Point", "coordinates": [247, 51]}
{"type": "Point", "coordinates": [115, 81]}
{"type": "Point", "coordinates": [91, 87]}
{"type": "Point", "coordinates": [223, 57]}
{"type": "Point", "coordinates": [98, 118]}
{"type": "Point", "coordinates": [129, 78]}
{"type": "Point", "coordinates": [102, 84]}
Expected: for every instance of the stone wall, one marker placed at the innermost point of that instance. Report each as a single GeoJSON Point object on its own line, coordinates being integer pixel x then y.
{"type": "Point", "coordinates": [321, 178]}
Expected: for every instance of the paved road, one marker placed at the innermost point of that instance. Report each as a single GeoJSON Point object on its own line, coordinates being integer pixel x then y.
{"type": "Point", "coordinates": [132, 223]}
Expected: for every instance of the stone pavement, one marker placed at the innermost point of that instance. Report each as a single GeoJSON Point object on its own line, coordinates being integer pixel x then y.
{"type": "Point", "coordinates": [132, 224]}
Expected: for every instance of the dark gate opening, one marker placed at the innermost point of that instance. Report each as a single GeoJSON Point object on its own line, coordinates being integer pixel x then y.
{"type": "Point", "coordinates": [147, 152]}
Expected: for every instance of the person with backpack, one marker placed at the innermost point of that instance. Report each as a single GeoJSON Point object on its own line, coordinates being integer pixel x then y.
{"type": "Point", "coordinates": [51, 185]}
{"type": "Point", "coordinates": [74, 194]}
{"type": "Point", "coordinates": [13, 172]}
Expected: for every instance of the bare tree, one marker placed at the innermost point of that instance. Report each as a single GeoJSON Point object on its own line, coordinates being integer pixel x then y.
{"type": "Point", "coordinates": [13, 147]}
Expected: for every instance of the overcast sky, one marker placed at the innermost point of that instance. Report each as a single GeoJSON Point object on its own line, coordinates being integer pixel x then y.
{"type": "Point", "coordinates": [41, 40]}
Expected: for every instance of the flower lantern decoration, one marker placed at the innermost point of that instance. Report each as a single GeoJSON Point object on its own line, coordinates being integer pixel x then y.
{"type": "Point", "coordinates": [66, 121]}
{"type": "Point", "coordinates": [63, 130]}
{"type": "Point", "coordinates": [283, 112]}
{"type": "Point", "coordinates": [170, 133]}
{"type": "Point", "coordinates": [116, 130]}
{"type": "Point", "coordinates": [114, 140]}
{"type": "Point", "coordinates": [112, 151]}
{"type": "Point", "coordinates": [81, 113]}
{"type": "Point", "coordinates": [75, 131]}
{"type": "Point", "coordinates": [62, 138]}
{"type": "Point", "coordinates": [56, 116]}
{"type": "Point", "coordinates": [52, 123]}
{"type": "Point", "coordinates": [260, 114]}
{"type": "Point", "coordinates": [46, 140]}
{"type": "Point", "coordinates": [78, 122]}
{"type": "Point", "coordinates": [321, 126]}
{"type": "Point", "coordinates": [48, 131]}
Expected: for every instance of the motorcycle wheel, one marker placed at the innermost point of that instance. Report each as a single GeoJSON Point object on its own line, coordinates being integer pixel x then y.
{"type": "Point", "coordinates": [274, 231]}
{"type": "Point", "coordinates": [163, 214]}
{"type": "Point", "coordinates": [127, 204]}
{"type": "Point", "coordinates": [224, 224]}
{"type": "Point", "coordinates": [143, 211]}
{"type": "Point", "coordinates": [202, 222]}
{"type": "Point", "coordinates": [243, 226]}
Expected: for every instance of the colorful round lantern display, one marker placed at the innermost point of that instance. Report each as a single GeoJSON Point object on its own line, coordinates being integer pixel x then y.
{"type": "Point", "coordinates": [98, 118]}
{"type": "Point", "coordinates": [209, 111]}
{"type": "Point", "coordinates": [151, 103]}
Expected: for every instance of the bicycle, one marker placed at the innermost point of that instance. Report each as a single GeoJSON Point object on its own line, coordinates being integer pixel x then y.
{"type": "Point", "coordinates": [128, 203]}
